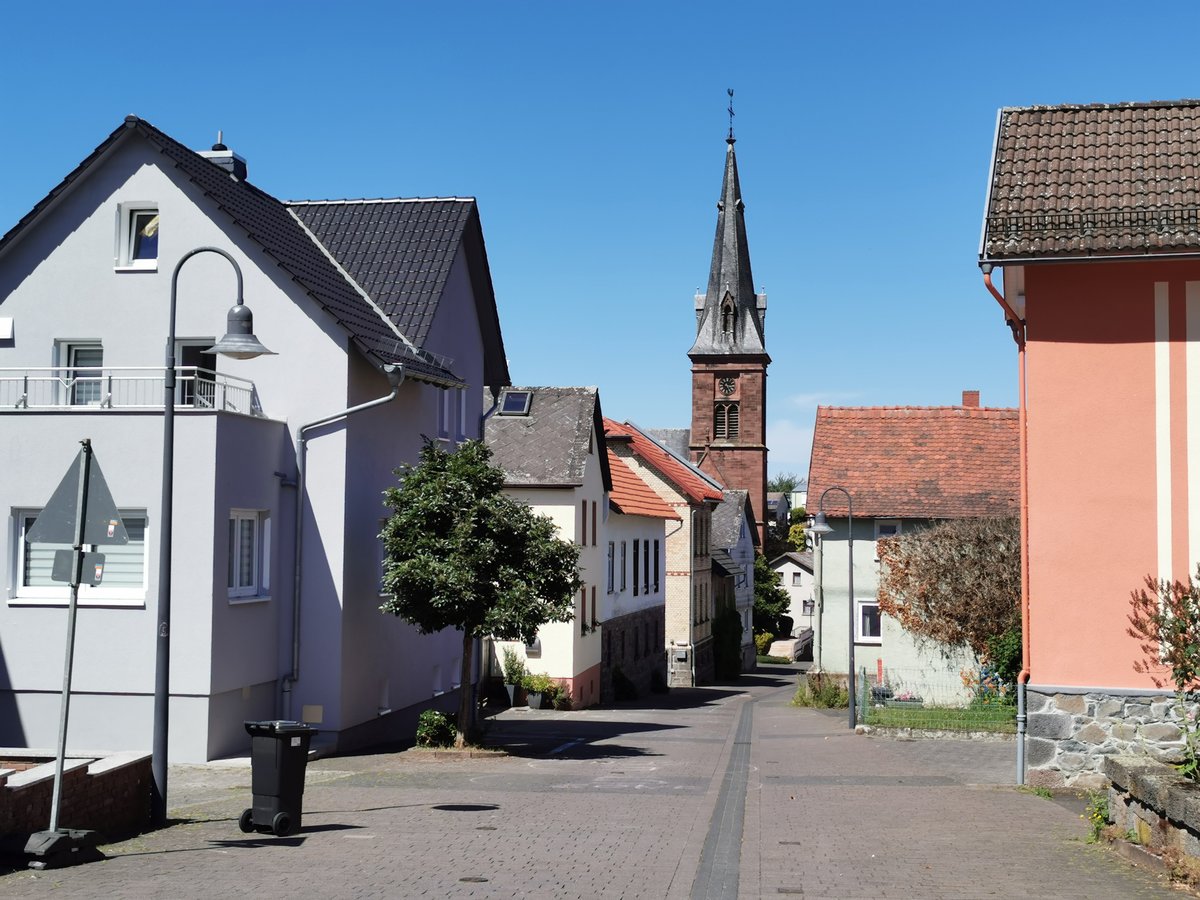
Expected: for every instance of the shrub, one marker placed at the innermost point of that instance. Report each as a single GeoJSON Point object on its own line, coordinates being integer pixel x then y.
{"type": "Point", "coordinates": [821, 691]}
{"type": "Point", "coordinates": [434, 729]}
{"type": "Point", "coordinates": [539, 683]}
{"type": "Point", "coordinates": [514, 666]}
{"type": "Point", "coordinates": [763, 641]}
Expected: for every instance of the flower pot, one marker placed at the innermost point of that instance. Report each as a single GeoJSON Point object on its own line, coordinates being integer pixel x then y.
{"type": "Point", "coordinates": [535, 699]}
{"type": "Point", "coordinates": [512, 694]}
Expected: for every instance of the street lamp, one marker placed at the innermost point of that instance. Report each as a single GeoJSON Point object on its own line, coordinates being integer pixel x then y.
{"type": "Point", "coordinates": [822, 527]}
{"type": "Point", "coordinates": [240, 343]}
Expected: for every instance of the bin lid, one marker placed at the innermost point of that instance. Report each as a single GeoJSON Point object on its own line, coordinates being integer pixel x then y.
{"type": "Point", "coordinates": [279, 726]}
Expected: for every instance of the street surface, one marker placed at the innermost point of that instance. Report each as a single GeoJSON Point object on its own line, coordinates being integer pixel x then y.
{"type": "Point", "coordinates": [710, 792]}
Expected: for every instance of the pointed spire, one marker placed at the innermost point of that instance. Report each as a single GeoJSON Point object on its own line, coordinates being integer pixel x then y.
{"type": "Point", "coordinates": [729, 317]}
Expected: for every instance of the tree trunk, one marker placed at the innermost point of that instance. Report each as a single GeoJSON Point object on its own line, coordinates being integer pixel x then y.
{"type": "Point", "coordinates": [466, 708]}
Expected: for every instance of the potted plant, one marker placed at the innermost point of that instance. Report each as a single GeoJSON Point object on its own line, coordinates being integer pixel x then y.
{"type": "Point", "coordinates": [514, 673]}
{"type": "Point", "coordinates": [536, 686]}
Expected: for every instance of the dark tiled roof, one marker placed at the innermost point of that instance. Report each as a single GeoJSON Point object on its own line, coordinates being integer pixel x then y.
{"type": "Point", "coordinates": [803, 560]}
{"type": "Point", "coordinates": [631, 496]}
{"type": "Point", "coordinates": [1099, 180]}
{"type": "Point", "coordinates": [728, 517]}
{"type": "Point", "coordinates": [269, 223]}
{"type": "Point", "coordinates": [939, 462]}
{"type": "Point", "coordinates": [548, 447]}
{"type": "Point", "coordinates": [688, 480]}
{"type": "Point", "coordinates": [724, 562]}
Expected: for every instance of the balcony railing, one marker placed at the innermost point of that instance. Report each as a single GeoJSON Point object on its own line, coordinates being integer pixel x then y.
{"type": "Point", "coordinates": [127, 388]}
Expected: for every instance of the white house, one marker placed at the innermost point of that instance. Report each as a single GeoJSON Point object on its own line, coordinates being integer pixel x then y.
{"type": "Point", "coordinates": [795, 571]}
{"type": "Point", "coordinates": [734, 539]}
{"type": "Point", "coordinates": [343, 292]}
{"type": "Point", "coordinates": [550, 443]}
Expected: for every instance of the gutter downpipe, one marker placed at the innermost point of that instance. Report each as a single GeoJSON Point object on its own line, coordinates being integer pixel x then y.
{"type": "Point", "coordinates": [1017, 325]}
{"type": "Point", "coordinates": [395, 375]}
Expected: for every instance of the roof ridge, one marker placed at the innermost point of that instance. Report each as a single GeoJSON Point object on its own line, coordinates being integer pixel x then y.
{"type": "Point", "coordinates": [1120, 104]}
{"type": "Point", "coordinates": [972, 410]}
{"type": "Point", "coordinates": [347, 200]}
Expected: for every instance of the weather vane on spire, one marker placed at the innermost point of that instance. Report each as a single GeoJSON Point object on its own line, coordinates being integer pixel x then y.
{"type": "Point", "coordinates": [730, 92]}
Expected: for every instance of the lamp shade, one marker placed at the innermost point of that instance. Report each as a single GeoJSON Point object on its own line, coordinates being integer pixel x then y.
{"type": "Point", "coordinates": [819, 525]}
{"type": "Point", "coordinates": [239, 341]}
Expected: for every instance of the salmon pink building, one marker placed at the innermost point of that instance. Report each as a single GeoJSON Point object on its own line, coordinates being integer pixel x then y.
{"type": "Point", "coordinates": [1093, 219]}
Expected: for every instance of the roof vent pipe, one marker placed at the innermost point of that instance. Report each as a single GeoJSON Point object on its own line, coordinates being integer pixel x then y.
{"type": "Point", "coordinates": [226, 159]}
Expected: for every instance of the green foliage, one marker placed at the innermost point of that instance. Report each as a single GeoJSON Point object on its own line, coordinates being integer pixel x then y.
{"type": "Point", "coordinates": [1003, 655]}
{"type": "Point", "coordinates": [727, 643]}
{"type": "Point", "coordinates": [784, 482]}
{"type": "Point", "coordinates": [956, 582]}
{"type": "Point", "coordinates": [1165, 618]}
{"type": "Point", "coordinates": [1096, 815]}
{"type": "Point", "coordinates": [774, 660]}
{"type": "Point", "coordinates": [461, 554]}
{"type": "Point", "coordinates": [797, 536]}
{"type": "Point", "coordinates": [821, 691]}
{"type": "Point", "coordinates": [514, 666]}
{"type": "Point", "coordinates": [1044, 793]}
{"type": "Point", "coordinates": [771, 601]}
{"type": "Point", "coordinates": [434, 729]}
{"type": "Point", "coordinates": [763, 641]}
{"type": "Point", "coordinates": [539, 683]}
{"type": "Point", "coordinates": [798, 516]}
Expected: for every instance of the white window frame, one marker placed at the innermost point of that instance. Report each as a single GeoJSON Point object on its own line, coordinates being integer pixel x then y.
{"type": "Point", "coordinates": [65, 351]}
{"type": "Point", "coordinates": [60, 594]}
{"type": "Point", "coordinates": [797, 579]}
{"type": "Point", "coordinates": [260, 588]}
{"type": "Point", "coordinates": [445, 413]}
{"type": "Point", "coordinates": [859, 637]}
{"type": "Point", "coordinates": [881, 526]}
{"type": "Point", "coordinates": [126, 218]}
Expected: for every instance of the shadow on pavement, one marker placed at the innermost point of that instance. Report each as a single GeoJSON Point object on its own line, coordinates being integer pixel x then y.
{"type": "Point", "coordinates": [540, 734]}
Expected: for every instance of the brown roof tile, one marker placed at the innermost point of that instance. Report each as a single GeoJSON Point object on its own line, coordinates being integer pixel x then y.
{"type": "Point", "coordinates": [935, 462]}
{"type": "Point", "coordinates": [687, 480]}
{"type": "Point", "coordinates": [1096, 180]}
{"type": "Point", "coordinates": [632, 496]}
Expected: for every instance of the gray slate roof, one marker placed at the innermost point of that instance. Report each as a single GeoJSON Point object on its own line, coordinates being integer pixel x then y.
{"type": "Point", "coordinates": [728, 517]}
{"type": "Point", "coordinates": [725, 562]}
{"type": "Point", "coordinates": [270, 224]}
{"type": "Point", "coordinates": [549, 446]}
{"type": "Point", "coordinates": [674, 439]}
{"type": "Point", "coordinates": [803, 560]}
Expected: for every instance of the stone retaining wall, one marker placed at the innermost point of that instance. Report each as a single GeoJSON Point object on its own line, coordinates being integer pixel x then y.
{"type": "Point", "coordinates": [109, 794]}
{"type": "Point", "coordinates": [1069, 736]}
{"type": "Point", "coordinates": [1155, 803]}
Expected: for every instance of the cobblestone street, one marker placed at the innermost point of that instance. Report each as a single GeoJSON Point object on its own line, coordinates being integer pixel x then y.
{"type": "Point", "coordinates": [728, 792]}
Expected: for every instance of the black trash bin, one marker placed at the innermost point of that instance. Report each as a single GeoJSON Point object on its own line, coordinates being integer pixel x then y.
{"type": "Point", "coordinates": [278, 756]}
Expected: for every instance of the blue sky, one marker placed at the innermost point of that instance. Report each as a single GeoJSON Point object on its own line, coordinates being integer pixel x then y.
{"type": "Point", "coordinates": [593, 137]}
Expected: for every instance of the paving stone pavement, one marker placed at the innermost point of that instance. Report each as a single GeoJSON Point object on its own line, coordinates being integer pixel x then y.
{"type": "Point", "coordinates": [650, 800]}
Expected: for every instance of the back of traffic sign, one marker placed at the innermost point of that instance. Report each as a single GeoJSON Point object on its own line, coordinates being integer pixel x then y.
{"type": "Point", "coordinates": [56, 523]}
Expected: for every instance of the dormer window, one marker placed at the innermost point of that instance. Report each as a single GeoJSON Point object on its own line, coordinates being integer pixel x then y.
{"type": "Point", "coordinates": [515, 403]}
{"type": "Point", "coordinates": [137, 236]}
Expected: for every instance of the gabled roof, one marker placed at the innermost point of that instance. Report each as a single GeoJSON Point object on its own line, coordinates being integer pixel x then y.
{"type": "Point", "coordinates": [687, 479]}
{"type": "Point", "coordinates": [631, 496]}
{"type": "Point", "coordinates": [674, 439]}
{"type": "Point", "coordinates": [314, 266]}
{"type": "Point", "coordinates": [922, 462]}
{"type": "Point", "coordinates": [803, 560]}
{"type": "Point", "coordinates": [725, 563]}
{"type": "Point", "coordinates": [548, 447]}
{"type": "Point", "coordinates": [1095, 180]}
{"type": "Point", "coordinates": [730, 276]}
{"type": "Point", "coordinates": [727, 519]}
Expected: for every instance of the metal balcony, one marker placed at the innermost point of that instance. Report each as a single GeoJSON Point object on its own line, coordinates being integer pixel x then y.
{"type": "Point", "coordinates": [88, 389]}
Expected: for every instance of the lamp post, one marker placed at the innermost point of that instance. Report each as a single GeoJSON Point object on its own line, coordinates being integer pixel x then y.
{"type": "Point", "coordinates": [822, 527]}
{"type": "Point", "coordinates": [239, 342]}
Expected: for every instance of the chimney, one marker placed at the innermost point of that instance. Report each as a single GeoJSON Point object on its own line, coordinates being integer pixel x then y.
{"type": "Point", "coordinates": [226, 159]}
{"type": "Point", "coordinates": [971, 398]}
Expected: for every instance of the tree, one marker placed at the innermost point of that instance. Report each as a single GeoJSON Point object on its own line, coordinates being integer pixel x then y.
{"type": "Point", "coordinates": [957, 582]}
{"type": "Point", "coordinates": [771, 601]}
{"type": "Point", "coordinates": [785, 482]}
{"type": "Point", "coordinates": [459, 553]}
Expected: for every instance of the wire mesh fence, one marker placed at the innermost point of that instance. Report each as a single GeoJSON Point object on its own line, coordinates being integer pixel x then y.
{"type": "Point", "coordinates": [933, 699]}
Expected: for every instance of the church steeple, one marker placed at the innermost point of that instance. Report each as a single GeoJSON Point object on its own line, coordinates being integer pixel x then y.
{"type": "Point", "coordinates": [729, 317]}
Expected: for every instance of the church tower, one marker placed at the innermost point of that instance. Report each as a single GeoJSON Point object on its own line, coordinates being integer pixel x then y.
{"type": "Point", "coordinates": [729, 359]}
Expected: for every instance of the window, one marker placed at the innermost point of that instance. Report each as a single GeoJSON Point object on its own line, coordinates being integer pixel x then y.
{"type": "Point", "coordinates": [583, 524]}
{"type": "Point", "coordinates": [249, 554]}
{"type": "Point", "coordinates": [796, 579]}
{"type": "Point", "coordinates": [594, 529]}
{"type": "Point", "coordinates": [645, 567]}
{"type": "Point", "coordinates": [595, 621]}
{"type": "Point", "coordinates": [514, 403]}
{"type": "Point", "coordinates": [656, 566]}
{"type": "Point", "coordinates": [867, 627]}
{"type": "Point", "coordinates": [636, 544]}
{"type": "Point", "coordinates": [612, 553]}
{"type": "Point", "coordinates": [725, 420]}
{"type": "Point", "coordinates": [462, 414]}
{"type": "Point", "coordinates": [623, 545]}
{"type": "Point", "coordinates": [886, 528]}
{"type": "Point", "coordinates": [727, 317]}
{"type": "Point", "coordinates": [137, 238]}
{"type": "Point", "coordinates": [445, 413]}
{"type": "Point", "coordinates": [124, 582]}
{"type": "Point", "coordinates": [583, 620]}
{"type": "Point", "coordinates": [84, 373]}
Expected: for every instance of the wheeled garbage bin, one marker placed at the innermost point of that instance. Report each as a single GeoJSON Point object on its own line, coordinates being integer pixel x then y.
{"type": "Point", "coordinates": [278, 755]}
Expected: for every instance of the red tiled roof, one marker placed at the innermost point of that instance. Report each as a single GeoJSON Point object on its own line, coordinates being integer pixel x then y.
{"type": "Point", "coordinates": [919, 462]}
{"type": "Point", "coordinates": [632, 496]}
{"type": "Point", "coordinates": [694, 487]}
{"type": "Point", "coordinates": [1102, 179]}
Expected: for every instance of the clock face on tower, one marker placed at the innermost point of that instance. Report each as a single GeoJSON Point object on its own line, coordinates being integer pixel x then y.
{"type": "Point", "coordinates": [727, 385]}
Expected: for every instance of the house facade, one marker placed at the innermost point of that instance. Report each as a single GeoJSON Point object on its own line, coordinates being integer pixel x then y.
{"type": "Point", "coordinates": [693, 497]}
{"type": "Point", "coordinates": [903, 467]}
{"type": "Point", "coordinates": [278, 476]}
{"type": "Point", "coordinates": [1090, 244]}
{"type": "Point", "coordinates": [550, 443]}
{"type": "Point", "coordinates": [734, 545]}
{"type": "Point", "coordinates": [633, 608]}
{"type": "Point", "coordinates": [795, 571]}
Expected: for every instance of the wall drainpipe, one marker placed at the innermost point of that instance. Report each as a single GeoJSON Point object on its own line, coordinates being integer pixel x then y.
{"type": "Point", "coordinates": [1017, 325]}
{"type": "Point", "coordinates": [395, 376]}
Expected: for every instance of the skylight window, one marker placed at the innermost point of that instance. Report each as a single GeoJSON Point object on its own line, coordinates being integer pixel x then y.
{"type": "Point", "coordinates": [515, 403]}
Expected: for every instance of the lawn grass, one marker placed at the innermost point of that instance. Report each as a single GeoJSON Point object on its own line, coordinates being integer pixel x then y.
{"type": "Point", "coordinates": [990, 717]}
{"type": "Point", "coordinates": [775, 660]}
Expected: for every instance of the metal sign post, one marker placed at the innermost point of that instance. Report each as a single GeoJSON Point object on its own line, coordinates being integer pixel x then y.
{"type": "Point", "coordinates": [81, 512]}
